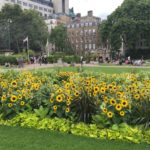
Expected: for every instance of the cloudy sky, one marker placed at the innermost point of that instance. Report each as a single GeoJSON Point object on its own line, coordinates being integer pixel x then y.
{"type": "Point", "coordinates": [100, 8]}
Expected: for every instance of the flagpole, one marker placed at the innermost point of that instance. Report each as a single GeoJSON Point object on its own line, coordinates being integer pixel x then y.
{"type": "Point", "coordinates": [28, 50]}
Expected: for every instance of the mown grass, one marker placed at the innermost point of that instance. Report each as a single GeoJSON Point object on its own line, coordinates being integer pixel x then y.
{"type": "Point", "coordinates": [16, 138]}
{"type": "Point", "coordinates": [110, 70]}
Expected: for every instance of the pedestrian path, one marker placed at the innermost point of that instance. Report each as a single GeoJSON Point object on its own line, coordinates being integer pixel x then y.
{"type": "Point", "coordinates": [38, 66]}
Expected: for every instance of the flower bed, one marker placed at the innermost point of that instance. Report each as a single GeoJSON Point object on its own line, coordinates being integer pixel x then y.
{"type": "Point", "coordinates": [106, 101]}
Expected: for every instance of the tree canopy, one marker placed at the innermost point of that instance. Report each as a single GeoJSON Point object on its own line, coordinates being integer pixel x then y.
{"type": "Point", "coordinates": [60, 38]}
{"type": "Point", "coordinates": [16, 25]}
{"type": "Point", "coordinates": [128, 23]}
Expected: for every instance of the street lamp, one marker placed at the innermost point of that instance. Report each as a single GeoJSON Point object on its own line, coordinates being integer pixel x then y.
{"type": "Point", "coordinates": [9, 21]}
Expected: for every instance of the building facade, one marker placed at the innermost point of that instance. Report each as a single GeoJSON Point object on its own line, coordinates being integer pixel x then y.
{"type": "Point", "coordinates": [46, 8]}
{"type": "Point", "coordinates": [83, 33]}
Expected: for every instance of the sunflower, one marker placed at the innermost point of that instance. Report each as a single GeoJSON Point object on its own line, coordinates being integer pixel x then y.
{"type": "Point", "coordinates": [3, 98]}
{"type": "Point", "coordinates": [51, 100]}
{"type": "Point", "coordinates": [109, 114]}
{"type": "Point", "coordinates": [76, 93]}
{"type": "Point", "coordinates": [67, 109]}
{"type": "Point", "coordinates": [124, 103]}
{"type": "Point", "coordinates": [55, 108]}
{"type": "Point", "coordinates": [104, 110]}
{"type": "Point", "coordinates": [96, 89]}
{"type": "Point", "coordinates": [118, 107]}
{"type": "Point", "coordinates": [122, 113]}
{"type": "Point", "coordinates": [10, 105]}
{"type": "Point", "coordinates": [14, 83]}
{"type": "Point", "coordinates": [102, 90]}
{"type": "Point", "coordinates": [22, 103]}
{"type": "Point", "coordinates": [67, 85]}
{"type": "Point", "coordinates": [19, 96]}
{"type": "Point", "coordinates": [59, 98]}
{"type": "Point", "coordinates": [136, 96]}
{"type": "Point", "coordinates": [68, 102]}
{"type": "Point", "coordinates": [112, 101]}
{"type": "Point", "coordinates": [13, 98]}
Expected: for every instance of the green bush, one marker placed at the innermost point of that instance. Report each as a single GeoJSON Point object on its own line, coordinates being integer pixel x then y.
{"type": "Point", "coordinates": [8, 59]}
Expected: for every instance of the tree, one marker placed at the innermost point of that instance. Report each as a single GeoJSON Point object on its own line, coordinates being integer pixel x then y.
{"type": "Point", "coordinates": [127, 23]}
{"type": "Point", "coordinates": [60, 39]}
{"type": "Point", "coordinates": [23, 24]}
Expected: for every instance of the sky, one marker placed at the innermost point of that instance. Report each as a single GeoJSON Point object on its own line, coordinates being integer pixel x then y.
{"type": "Point", "coordinates": [101, 8]}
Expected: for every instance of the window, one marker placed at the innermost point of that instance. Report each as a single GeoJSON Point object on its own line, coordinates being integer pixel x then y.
{"type": "Point", "coordinates": [13, 1]}
{"type": "Point", "coordinates": [35, 7]}
{"type": "Point", "coordinates": [40, 8]}
{"type": "Point", "coordinates": [72, 25]}
{"type": "Point", "coordinates": [45, 9]}
{"type": "Point", "coordinates": [90, 23]}
{"type": "Point", "coordinates": [30, 5]}
{"type": "Point", "coordinates": [86, 24]}
{"type": "Point", "coordinates": [90, 46]}
{"type": "Point", "coordinates": [19, 2]}
{"type": "Point", "coordinates": [77, 25]}
{"type": "Point", "coordinates": [82, 24]}
{"type": "Point", "coordinates": [94, 46]}
{"type": "Point", "coordinates": [24, 4]}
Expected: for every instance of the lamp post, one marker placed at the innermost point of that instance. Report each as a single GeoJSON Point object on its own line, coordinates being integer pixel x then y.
{"type": "Point", "coordinates": [9, 21]}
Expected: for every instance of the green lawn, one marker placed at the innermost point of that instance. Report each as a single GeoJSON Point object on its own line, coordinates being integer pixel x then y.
{"type": "Point", "coordinates": [16, 138]}
{"type": "Point", "coordinates": [101, 69]}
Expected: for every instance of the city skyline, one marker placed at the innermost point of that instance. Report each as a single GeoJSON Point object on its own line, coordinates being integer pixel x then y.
{"type": "Point", "coordinates": [100, 8]}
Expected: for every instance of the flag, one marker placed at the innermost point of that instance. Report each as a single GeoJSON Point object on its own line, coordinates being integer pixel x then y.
{"type": "Point", "coordinates": [25, 40]}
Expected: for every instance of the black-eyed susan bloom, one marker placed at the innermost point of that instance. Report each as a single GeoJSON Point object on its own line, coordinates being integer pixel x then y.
{"type": "Point", "coordinates": [109, 114]}
{"type": "Point", "coordinates": [112, 101]}
{"type": "Point", "coordinates": [118, 107]}
{"type": "Point", "coordinates": [55, 108]}
{"type": "Point", "coordinates": [122, 113]}
{"type": "Point", "coordinates": [96, 89]}
{"type": "Point", "coordinates": [137, 96]}
{"type": "Point", "coordinates": [13, 98]}
{"type": "Point", "coordinates": [14, 83]}
{"type": "Point", "coordinates": [22, 103]}
{"type": "Point", "coordinates": [10, 105]}
{"type": "Point", "coordinates": [59, 98]}
{"type": "Point", "coordinates": [3, 98]}
{"type": "Point", "coordinates": [76, 93]}
{"type": "Point", "coordinates": [124, 103]}
{"type": "Point", "coordinates": [67, 110]}
{"type": "Point", "coordinates": [102, 90]}
{"type": "Point", "coordinates": [104, 110]}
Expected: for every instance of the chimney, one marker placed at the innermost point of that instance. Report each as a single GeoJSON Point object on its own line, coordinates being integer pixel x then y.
{"type": "Point", "coordinates": [90, 13]}
{"type": "Point", "coordinates": [78, 15]}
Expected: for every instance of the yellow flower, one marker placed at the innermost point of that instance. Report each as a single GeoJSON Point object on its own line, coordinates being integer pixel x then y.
{"type": "Point", "coordinates": [22, 103]}
{"type": "Point", "coordinates": [14, 83]}
{"type": "Point", "coordinates": [55, 108]}
{"type": "Point", "coordinates": [68, 102]}
{"type": "Point", "coordinates": [136, 96]}
{"type": "Point", "coordinates": [104, 110]}
{"type": "Point", "coordinates": [13, 98]}
{"type": "Point", "coordinates": [112, 101]}
{"type": "Point", "coordinates": [122, 113]}
{"type": "Point", "coordinates": [102, 90]}
{"type": "Point", "coordinates": [51, 100]}
{"type": "Point", "coordinates": [124, 103]}
{"type": "Point", "coordinates": [76, 93]}
{"type": "Point", "coordinates": [10, 105]}
{"type": "Point", "coordinates": [19, 96]}
{"type": "Point", "coordinates": [3, 98]}
{"type": "Point", "coordinates": [96, 89]}
{"type": "Point", "coordinates": [59, 98]}
{"type": "Point", "coordinates": [118, 107]}
{"type": "Point", "coordinates": [67, 109]}
{"type": "Point", "coordinates": [109, 114]}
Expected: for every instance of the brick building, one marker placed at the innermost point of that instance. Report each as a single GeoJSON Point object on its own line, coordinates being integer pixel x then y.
{"type": "Point", "coordinates": [82, 33]}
